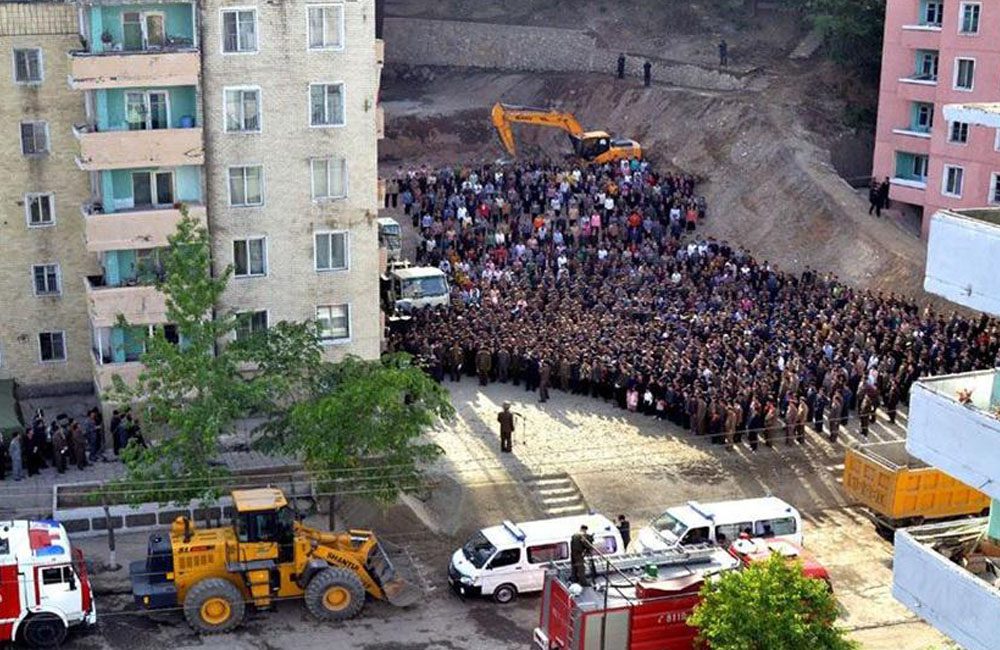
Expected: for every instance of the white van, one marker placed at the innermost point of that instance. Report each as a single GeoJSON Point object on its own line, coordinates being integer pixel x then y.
{"type": "Point", "coordinates": [722, 522]}
{"type": "Point", "coordinates": [503, 561]}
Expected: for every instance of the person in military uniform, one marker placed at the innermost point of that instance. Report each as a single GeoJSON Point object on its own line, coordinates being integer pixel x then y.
{"type": "Point", "coordinates": [506, 420]}
{"type": "Point", "coordinates": [484, 363]}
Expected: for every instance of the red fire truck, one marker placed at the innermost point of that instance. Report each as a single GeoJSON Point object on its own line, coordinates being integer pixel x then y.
{"type": "Point", "coordinates": [634, 602]}
{"type": "Point", "coordinates": [44, 588]}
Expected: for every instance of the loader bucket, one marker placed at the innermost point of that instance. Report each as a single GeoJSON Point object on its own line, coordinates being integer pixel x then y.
{"type": "Point", "coordinates": [389, 573]}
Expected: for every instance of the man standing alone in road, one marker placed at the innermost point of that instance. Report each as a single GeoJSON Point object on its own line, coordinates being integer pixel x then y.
{"type": "Point", "coordinates": [647, 73]}
{"type": "Point", "coordinates": [506, 420]}
{"type": "Point", "coordinates": [621, 66]}
{"type": "Point", "coordinates": [723, 53]}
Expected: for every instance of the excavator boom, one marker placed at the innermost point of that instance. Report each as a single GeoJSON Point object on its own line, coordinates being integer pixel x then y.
{"type": "Point", "coordinates": [503, 115]}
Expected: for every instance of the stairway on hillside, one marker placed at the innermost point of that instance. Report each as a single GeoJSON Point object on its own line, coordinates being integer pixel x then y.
{"type": "Point", "coordinates": [557, 494]}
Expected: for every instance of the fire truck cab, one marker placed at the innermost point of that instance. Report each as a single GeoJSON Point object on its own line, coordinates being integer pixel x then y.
{"type": "Point", "coordinates": [44, 588]}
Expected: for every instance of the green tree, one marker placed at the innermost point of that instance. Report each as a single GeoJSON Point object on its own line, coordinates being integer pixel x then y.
{"type": "Point", "coordinates": [770, 605]}
{"type": "Point", "coordinates": [362, 419]}
{"type": "Point", "coordinates": [361, 430]}
{"type": "Point", "coordinates": [853, 31]}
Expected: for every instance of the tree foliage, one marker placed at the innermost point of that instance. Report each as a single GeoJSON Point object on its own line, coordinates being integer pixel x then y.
{"type": "Point", "coordinates": [336, 417]}
{"type": "Point", "coordinates": [770, 605]}
{"type": "Point", "coordinates": [853, 30]}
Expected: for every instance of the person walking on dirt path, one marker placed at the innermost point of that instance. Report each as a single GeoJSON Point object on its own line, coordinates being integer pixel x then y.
{"type": "Point", "coordinates": [506, 420]}
{"type": "Point", "coordinates": [621, 65]}
{"type": "Point", "coordinates": [873, 192]}
{"type": "Point", "coordinates": [647, 73]}
{"type": "Point", "coordinates": [883, 196]}
{"type": "Point", "coordinates": [723, 53]}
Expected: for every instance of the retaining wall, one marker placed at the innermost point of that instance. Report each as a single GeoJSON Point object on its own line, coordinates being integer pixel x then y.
{"type": "Point", "coordinates": [416, 41]}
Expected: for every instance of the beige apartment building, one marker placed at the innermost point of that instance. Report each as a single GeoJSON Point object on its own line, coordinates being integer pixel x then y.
{"type": "Point", "coordinates": [44, 330]}
{"type": "Point", "coordinates": [291, 115]}
{"type": "Point", "coordinates": [261, 120]}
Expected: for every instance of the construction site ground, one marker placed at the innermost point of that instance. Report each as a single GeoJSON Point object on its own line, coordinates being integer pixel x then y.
{"type": "Point", "coordinates": [763, 152]}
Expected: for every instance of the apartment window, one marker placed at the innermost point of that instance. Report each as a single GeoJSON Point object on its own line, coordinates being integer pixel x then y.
{"type": "Point", "coordinates": [242, 110]}
{"type": "Point", "coordinates": [34, 138]}
{"type": "Point", "coordinates": [46, 279]}
{"type": "Point", "coordinates": [147, 110]}
{"type": "Point", "coordinates": [239, 30]}
{"type": "Point", "coordinates": [145, 30]}
{"type": "Point", "coordinates": [329, 178]}
{"type": "Point", "coordinates": [920, 166]}
{"type": "Point", "coordinates": [327, 104]}
{"type": "Point", "coordinates": [932, 13]}
{"type": "Point", "coordinates": [923, 117]}
{"type": "Point", "coordinates": [39, 209]}
{"type": "Point", "coordinates": [326, 27]}
{"type": "Point", "coordinates": [152, 189]}
{"type": "Point", "coordinates": [927, 65]}
{"type": "Point", "coordinates": [969, 18]}
{"type": "Point", "coordinates": [334, 322]}
{"type": "Point", "coordinates": [331, 251]}
{"type": "Point", "coordinates": [245, 186]}
{"type": "Point", "coordinates": [953, 177]}
{"type": "Point", "coordinates": [958, 133]}
{"type": "Point", "coordinates": [995, 188]}
{"type": "Point", "coordinates": [28, 66]}
{"type": "Point", "coordinates": [250, 257]}
{"type": "Point", "coordinates": [965, 71]}
{"type": "Point", "coordinates": [250, 323]}
{"type": "Point", "coordinates": [52, 346]}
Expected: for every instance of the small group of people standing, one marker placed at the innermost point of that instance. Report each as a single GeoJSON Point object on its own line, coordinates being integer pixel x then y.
{"type": "Point", "coordinates": [65, 442]}
{"type": "Point", "coordinates": [878, 196]}
{"type": "Point", "coordinates": [647, 70]}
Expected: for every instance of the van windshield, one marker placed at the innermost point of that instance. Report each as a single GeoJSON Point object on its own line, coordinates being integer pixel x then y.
{"type": "Point", "coordinates": [478, 550]}
{"type": "Point", "coordinates": [668, 524]}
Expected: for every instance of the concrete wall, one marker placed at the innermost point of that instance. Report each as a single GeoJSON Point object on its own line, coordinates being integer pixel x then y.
{"type": "Point", "coordinates": [515, 47]}
{"type": "Point", "coordinates": [53, 28]}
{"type": "Point", "coordinates": [283, 68]}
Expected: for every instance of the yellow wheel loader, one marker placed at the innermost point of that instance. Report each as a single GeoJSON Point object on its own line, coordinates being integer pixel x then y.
{"type": "Point", "coordinates": [264, 556]}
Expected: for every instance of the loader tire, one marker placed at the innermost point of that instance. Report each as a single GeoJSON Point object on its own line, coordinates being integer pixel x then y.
{"type": "Point", "coordinates": [214, 606]}
{"type": "Point", "coordinates": [335, 594]}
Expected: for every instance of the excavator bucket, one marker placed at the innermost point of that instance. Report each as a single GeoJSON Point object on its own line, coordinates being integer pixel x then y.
{"type": "Point", "coordinates": [397, 575]}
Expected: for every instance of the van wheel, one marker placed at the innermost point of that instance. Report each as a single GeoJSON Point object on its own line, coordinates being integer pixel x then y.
{"type": "Point", "coordinates": [505, 594]}
{"type": "Point", "coordinates": [44, 631]}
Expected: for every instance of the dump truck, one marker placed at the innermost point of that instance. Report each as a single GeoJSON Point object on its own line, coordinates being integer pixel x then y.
{"type": "Point", "coordinates": [405, 288]}
{"type": "Point", "coordinates": [592, 146]}
{"type": "Point", "coordinates": [898, 490]}
{"type": "Point", "coordinates": [266, 555]}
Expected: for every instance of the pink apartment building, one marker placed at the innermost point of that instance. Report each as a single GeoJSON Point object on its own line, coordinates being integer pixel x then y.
{"type": "Point", "coordinates": [938, 52]}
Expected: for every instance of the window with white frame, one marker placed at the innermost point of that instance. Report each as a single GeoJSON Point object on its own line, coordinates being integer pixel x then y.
{"type": "Point", "coordinates": [28, 66]}
{"type": "Point", "coordinates": [921, 163]}
{"type": "Point", "coordinates": [239, 30]}
{"type": "Point", "coordinates": [952, 181]}
{"type": "Point", "coordinates": [334, 322]}
{"type": "Point", "coordinates": [246, 186]}
{"type": "Point", "coordinates": [52, 346]}
{"type": "Point", "coordinates": [995, 188]}
{"type": "Point", "coordinates": [34, 138]}
{"type": "Point", "coordinates": [250, 323]}
{"type": "Point", "coordinates": [965, 74]}
{"type": "Point", "coordinates": [326, 27]}
{"type": "Point", "coordinates": [969, 19]}
{"type": "Point", "coordinates": [242, 110]}
{"type": "Point", "coordinates": [923, 118]}
{"type": "Point", "coordinates": [326, 103]}
{"type": "Point", "coordinates": [331, 251]}
{"type": "Point", "coordinates": [927, 65]}
{"type": "Point", "coordinates": [933, 13]}
{"type": "Point", "coordinates": [958, 132]}
{"type": "Point", "coordinates": [329, 178]}
{"type": "Point", "coordinates": [45, 278]}
{"type": "Point", "coordinates": [250, 257]}
{"type": "Point", "coordinates": [39, 209]}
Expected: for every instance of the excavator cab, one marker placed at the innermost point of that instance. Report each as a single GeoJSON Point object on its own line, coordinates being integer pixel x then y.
{"type": "Point", "coordinates": [591, 144]}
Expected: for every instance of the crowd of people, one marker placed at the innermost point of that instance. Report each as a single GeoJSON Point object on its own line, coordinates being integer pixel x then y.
{"type": "Point", "coordinates": [592, 279]}
{"type": "Point", "coordinates": [65, 442]}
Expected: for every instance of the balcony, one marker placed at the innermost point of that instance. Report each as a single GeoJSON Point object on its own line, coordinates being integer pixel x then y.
{"type": "Point", "coordinates": [139, 305]}
{"type": "Point", "coordinates": [379, 122]}
{"type": "Point", "coordinates": [136, 229]}
{"type": "Point", "coordinates": [911, 132]}
{"type": "Point", "coordinates": [103, 373]}
{"type": "Point", "coordinates": [960, 598]}
{"type": "Point", "coordinates": [379, 51]}
{"type": "Point", "coordinates": [962, 440]}
{"type": "Point", "coordinates": [962, 249]}
{"type": "Point", "coordinates": [130, 69]}
{"type": "Point", "coordinates": [137, 149]}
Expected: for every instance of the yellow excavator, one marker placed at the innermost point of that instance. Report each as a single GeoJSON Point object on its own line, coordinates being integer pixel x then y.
{"type": "Point", "coordinates": [264, 556]}
{"type": "Point", "coordinates": [593, 146]}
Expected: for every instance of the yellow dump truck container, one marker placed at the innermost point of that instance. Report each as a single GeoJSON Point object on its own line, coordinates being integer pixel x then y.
{"type": "Point", "coordinates": [900, 490]}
